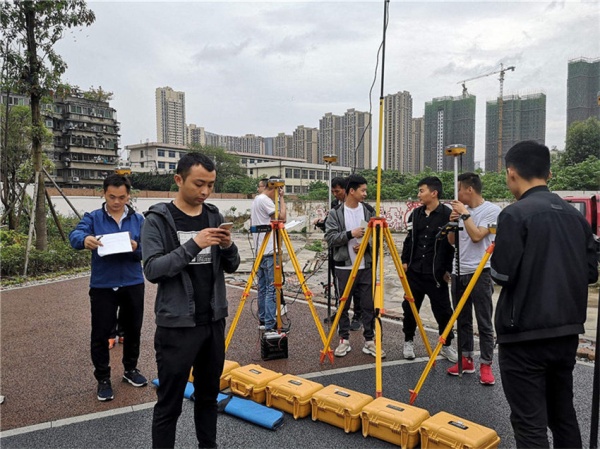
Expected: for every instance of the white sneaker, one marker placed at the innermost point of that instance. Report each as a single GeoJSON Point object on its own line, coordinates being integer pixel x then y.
{"type": "Point", "coordinates": [343, 348]}
{"type": "Point", "coordinates": [450, 353]}
{"type": "Point", "coordinates": [409, 350]}
{"type": "Point", "coordinates": [370, 348]}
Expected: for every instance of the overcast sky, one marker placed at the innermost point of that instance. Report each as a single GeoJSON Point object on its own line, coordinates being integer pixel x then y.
{"type": "Point", "coordinates": [265, 68]}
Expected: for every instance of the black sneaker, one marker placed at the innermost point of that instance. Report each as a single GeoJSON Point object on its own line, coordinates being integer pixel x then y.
{"type": "Point", "coordinates": [355, 325]}
{"type": "Point", "coordinates": [105, 391]}
{"type": "Point", "coordinates": [135, 378]}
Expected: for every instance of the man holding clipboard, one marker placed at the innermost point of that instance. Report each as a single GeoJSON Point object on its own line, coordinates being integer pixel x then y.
{"type": "Point", "coordinates": [113, 233]}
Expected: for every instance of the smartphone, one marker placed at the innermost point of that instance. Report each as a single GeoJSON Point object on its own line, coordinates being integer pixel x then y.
{"type": "Point", "coordinates": [227, 226]}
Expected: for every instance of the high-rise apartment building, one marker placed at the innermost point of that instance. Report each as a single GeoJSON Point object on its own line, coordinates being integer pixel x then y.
{"type": "Point", "coordinates": [170, 116]}
{"type": "Point", "coordinates": [583, 90]}
{"type": "Point", "coordinates": [449, 121]}
{"type": "Point", "coordinates": [348, 137]}
{"type": "Point", "coordinates": [304, 144]}
{"type": "Point", "coordinates": [282, 145]}
{"type": "Point", "coordinates": [196, 134]}
{"type": "Point", "coordinates": [417, 146]}
{"type": "Point", "coordinates": [397, 131]}
{"type": "Point", "coordinates": [523, 118]}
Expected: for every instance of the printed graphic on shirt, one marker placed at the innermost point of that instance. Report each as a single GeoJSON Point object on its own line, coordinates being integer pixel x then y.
{"type": "Point", "coordinates": [203, 256]}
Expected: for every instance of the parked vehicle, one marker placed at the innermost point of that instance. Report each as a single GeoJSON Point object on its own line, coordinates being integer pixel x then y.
{"type": "Point", "coordinates": [589, 206]}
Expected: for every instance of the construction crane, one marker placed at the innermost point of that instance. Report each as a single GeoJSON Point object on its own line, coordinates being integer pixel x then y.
{"type": "Point", "coordinates": [502, 71]}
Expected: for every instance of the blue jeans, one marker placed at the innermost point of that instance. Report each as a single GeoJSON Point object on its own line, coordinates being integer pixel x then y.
{"type": "Point", "coordinates": [480, 299]}
{"type": "Point", "coordinates": [267, 307]}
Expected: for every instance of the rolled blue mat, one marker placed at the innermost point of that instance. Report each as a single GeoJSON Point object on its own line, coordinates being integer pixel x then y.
{"type": "Point", "coordinates": [250, 411]}
{"type": "Point", "coordinates": [189, 390]}
{"type": "Point", "coordinates": [245, 409]}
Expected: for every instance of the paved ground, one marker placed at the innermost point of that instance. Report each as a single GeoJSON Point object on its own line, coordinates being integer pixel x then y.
{"type": "Point", "coordinates": [46, 377]}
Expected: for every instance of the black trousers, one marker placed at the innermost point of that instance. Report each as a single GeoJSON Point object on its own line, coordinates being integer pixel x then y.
{"type": "Point", "coordinates": [104, 303]}
{"type": "Point", "coordinates": [177, 350]}
{"type": "Point", "coordinates": [537, 377]}
{"type": "Point", "coordinates": [362, 292]}
{"type": "Point", "coordinates": [439, 297]}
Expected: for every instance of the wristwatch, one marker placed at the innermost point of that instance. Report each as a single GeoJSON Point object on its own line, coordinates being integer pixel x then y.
{"type": "Point", "coordinates": [465, 216]}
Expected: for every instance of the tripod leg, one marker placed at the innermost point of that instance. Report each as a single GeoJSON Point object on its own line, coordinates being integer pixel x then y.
{"type": "Point", "coordinates": [457, 310]}
{"type": "Point", "coordinates": [307, 293]}
{"type": "Point", "coordinates": [378, 286]}
{"type": "Point", "coordinates": [407, 292]}
{"type": "Point", "coordinates": [247, 289]}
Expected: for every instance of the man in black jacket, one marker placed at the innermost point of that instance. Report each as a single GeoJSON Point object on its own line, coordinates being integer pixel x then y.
{"type": "Point", "coordinates": [545, 257]}
{"type": "Point", "coordinates": [186, 253]}
{"type": "Point", "coordinates": [427, 262]}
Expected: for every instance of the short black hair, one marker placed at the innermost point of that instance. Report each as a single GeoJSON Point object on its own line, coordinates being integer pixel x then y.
{"type": "Point", "coordinates": [354, 181]}
{"type": "Point", "coordinates": [470, 179]}
{"type": "Point", "coordinates": [264, 181]}
{"type": "Point", "coordinates": [116, 181]}
{"type": "Point", "coordinates": [339, 181]}
{"type": "Point", "coordinates": [432, 183]}
{"type": "Point", "coordinates": [188, 160]}
{"type": "Point", "coordinates": [530, 159]}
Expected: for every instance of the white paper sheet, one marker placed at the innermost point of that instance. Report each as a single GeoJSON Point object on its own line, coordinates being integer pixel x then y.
{"type": "Point", "coordinates": [118, 242]}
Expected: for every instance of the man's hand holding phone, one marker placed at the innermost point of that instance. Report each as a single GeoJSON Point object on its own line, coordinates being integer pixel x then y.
{"type": "Point", "coordinates": [226, 235]}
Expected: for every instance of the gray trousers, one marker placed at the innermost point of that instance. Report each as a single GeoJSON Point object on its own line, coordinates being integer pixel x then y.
{"type": "Point", "coordinates": [480, 299]}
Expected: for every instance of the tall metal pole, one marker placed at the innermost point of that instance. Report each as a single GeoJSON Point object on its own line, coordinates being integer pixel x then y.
{"type": "Point", "coordinates": [380, 144]}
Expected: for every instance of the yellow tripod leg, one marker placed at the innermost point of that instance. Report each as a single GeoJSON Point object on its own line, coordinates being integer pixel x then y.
{"type": "Point", "coordinates": [378, 301]}
{"type": "Point", "coordinates": [453, 318]}
{"type": "Point", "coordinates": [407, 291]}
{"type": "Point", "coordinates": [344, 298]}
{"type": "Point", "coordinates": [308, 295]}
{"type": "Point", "coordinates": [247, 289]}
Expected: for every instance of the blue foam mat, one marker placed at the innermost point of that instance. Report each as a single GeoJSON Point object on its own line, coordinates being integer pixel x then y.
{"type": "Point", "coordinates": [245, 409]}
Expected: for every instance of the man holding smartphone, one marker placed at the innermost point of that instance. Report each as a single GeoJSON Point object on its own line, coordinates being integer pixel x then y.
{"type": "Point", "coordinates": [187, 253]}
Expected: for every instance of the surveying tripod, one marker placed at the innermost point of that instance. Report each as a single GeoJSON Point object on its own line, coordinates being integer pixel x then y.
{"type": "Point", "coordinates": [279, 236]}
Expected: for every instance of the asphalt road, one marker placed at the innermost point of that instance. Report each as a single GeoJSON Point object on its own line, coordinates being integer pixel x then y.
{"type": "Point", "coordinates": [47, 379]}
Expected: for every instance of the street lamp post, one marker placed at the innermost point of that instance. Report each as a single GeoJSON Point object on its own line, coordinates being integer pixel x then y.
{"type": "Point", "coordinates": [329, 159]}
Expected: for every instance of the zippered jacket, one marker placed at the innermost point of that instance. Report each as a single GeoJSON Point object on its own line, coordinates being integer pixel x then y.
{"type": "Point", "coordinates": [443, 251]}
{"type": "Point", "coordinates": [337, 237]}
{"type": "Point", "coordinates": [114, 270]}
{"type": "Point", "coordinates": [544, 258]}
{"type": "Point", "coordinates": [165, 263]}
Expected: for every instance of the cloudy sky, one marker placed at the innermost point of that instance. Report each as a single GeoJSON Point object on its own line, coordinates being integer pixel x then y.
{"type": "Point", "coordinates": [265, 68]}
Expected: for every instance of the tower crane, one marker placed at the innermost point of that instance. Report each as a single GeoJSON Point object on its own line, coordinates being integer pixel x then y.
{"type": "Point", "coordinates": [502, 71]}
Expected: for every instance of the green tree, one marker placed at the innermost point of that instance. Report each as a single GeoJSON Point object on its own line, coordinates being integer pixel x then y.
{"type": "Point", "coordinates": [152, 181]}
{"type": "Point", "coordinates": [318, 190]}
{"type": "Point", "coordinates": [583, 140]}
{"type": "Point", "coordinates": [31, 29]}
{"type": "Point", "coordinates": [582, 176]}
{"type": "Point", "coordinates": [242, 184]}
{"type": "Point", "coordinates": [228, 165]}
{"type": "Point", "coordinates": [16, 149]}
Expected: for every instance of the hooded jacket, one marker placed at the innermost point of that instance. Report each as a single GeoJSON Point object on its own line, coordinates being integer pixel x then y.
{"type": "Point", "coordinates": [165, 263]}
{"type": "Point", "coordinates": [338, 237]}
{"type": "Point", "coordinates": [114, 270]}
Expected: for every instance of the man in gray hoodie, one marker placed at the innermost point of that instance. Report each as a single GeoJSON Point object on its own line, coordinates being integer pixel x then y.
{"type": "Point", "coordinates": [186, 254]}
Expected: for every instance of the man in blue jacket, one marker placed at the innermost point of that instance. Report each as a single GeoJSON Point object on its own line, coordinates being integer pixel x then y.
{"type": "Point", "coordinates": [544, 259]}
{"type": "Point", "coordinates": [186, 254]}
{"type": "Point", "coordinates": [117, 280]}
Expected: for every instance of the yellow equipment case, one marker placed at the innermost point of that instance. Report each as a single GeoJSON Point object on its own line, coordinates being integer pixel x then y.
{"type": "Point", "coordinates": [444, 430]}
{"type": "Point", "coordinates": [226, 376]}
{"type": "Point", "coordinates": [250, 381]}
{"type": "Point", "coordinates": [393, 421]}
{"type": "Point", "coordinates": [339, 407]}
{"type": "Point", "coordinates": [292, 394]}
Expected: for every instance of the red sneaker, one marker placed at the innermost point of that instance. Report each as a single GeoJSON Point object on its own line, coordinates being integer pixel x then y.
{"type": "Point", "coordinates": [467, 365]}
{"type": "Point", "coordinates": [486, 377]}
{"type": "Point", "coordinates": [111, 343]}
{"type": "Point", "coordinates": [121, 340]}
